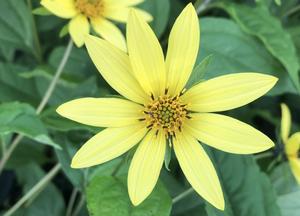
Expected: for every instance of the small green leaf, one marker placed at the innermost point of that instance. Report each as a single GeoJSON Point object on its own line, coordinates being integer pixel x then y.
{"type": "Point", "coordinates": [168, 156]}
{"type": "Point", "coordinates": [107, 195]}
{"type": "Point", "coordinates": [199, 72]}
{"type": "Point", "coordinates": [41, 11]}
{"type": "Point", "coordinates": [64, 31]}
{"type": "Point", "coordinates": [21, 118]}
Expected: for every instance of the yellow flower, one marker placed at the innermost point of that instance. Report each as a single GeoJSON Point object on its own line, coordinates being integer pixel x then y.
{"type": "Point", "coordinates": [97, 12]}
{"type": "Point", "coordinates": [292, 143]}
{"type": "Point", "coordinates": [158, 111]}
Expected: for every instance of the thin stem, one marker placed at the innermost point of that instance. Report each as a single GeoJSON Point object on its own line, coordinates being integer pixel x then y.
{"type": "Point", "coordinates": [35, 35]}
{"type": "Point", "coordinates": [182, 195]}
{"type": "Point", "coordinates": [292, 11]}
{"type": "Point", "coordinates": [53, 83]}
{"type": "Point", "coordinates": [45, 180]}
{"type": "Point", "coordinates": [9, 151]}
{"type": "Point", "coordinates": [201, 7]}
{"type": "Point", "coordinates": [42, 104]}
{"type": "Point", "coordinates": [71, 202]}
{"type": "Point", "coordinates": [118, 167]}
{"type": "Point", "coordinates": [79, 206]}
{"type": "Point", "coordinates": [263, 155]}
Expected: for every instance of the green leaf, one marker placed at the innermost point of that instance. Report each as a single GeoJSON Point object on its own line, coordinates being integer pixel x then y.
{"type": "Point", "coordinates": [13, 87]}
{"type": "Point", "coordinates": [235, 51]}
{"type": "Point", "coordinates": [41, 11]}
{"type": "Point", "coordinates": [259, 22]}
{"type": "Point", "coordinates": [199, 72]}
{"type": "Point", "coordinates": [64, 31]}
{"type": "Point", "coordinates": [287, 189]}
{"type": "Point", "coordinates": [47, 203]}
{"type": "Point", "coordinates": [76, 176]}
{"type": "Point", "coordinates": [16, 24]}
{"type": "Point", "coordinates": [160, 10]}
{"type": "Point", "coordinates": [107, 195]}
{"type": "Point", "coordinates": [168, 156]}
{"type": "Point", "coordinates": [247, 191]}
{"type": "Point", "coordinates": [21, 118]}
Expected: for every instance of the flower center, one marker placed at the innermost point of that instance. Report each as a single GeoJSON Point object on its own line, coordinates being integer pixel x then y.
{"type": "Point", "coordinates": [90, 8]}
{"type": "Point", "coordinates": [167, 113]}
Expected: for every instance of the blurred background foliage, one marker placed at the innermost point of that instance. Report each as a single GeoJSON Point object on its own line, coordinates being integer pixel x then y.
{"type": "Point", "coordinates": [236, 36]}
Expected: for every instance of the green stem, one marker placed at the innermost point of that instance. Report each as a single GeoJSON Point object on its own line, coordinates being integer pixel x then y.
{"type": "Point", "coordinates": [44, 181]}
{"type": "Point", "coordinates": [36, 39]}
{"type": "Point", "coordinates": [42, 104]}
{"type": "Point", "coordinates": [263, 155]}
{"type": "Point", "coordinates": [201, 7]}
{"type": "Point", "coordinates": [79, 206]}
{"type": "Point", "coordinates": [292, 11]}
{"type": "Point", "coordinates": [182, 195]}
{"type": "Point", "coordinates": [71, 202]}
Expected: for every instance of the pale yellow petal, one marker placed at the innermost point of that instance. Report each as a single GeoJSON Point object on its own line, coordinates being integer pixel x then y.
{"type": "Point", "coordinates": [285, 122]}
{"type": "Point", "coordinates": [292, 145]}
{"type": "Point", "coordinates": [102, 112]}
{"type": "Point", "coordinates": [79, 27]}
{"type": "Point", "coordinates": [145, 167]}
{"type": "Point", "coordinates": [145, 55]}
{"type": "Point", "coordinates": [228, 91]}
{"type": "Point", "coordinates": [114, 66]}
{"type": "Point", "coordinates": [61, 8]}
{"type": "Point", "coordinates": [182, 49]}
{"type": "Point", "coordinates": [198, 169]}
{"type": "Point", "coordinates": [120, 14]}
{"type": "Point", "coordinates": [295, 167]}
{"type": "Point", "coordinates": [109, 32]}
{"type": "Point", "coordinates": [227, 134]}
{"type": "Point", "coordinates": [107, 145]}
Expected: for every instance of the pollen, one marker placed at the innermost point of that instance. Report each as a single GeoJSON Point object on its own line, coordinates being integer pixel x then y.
{"type": "Point", "coordinates": [90, 8]}
{"type": "Point", "coordinates": [166, 113]}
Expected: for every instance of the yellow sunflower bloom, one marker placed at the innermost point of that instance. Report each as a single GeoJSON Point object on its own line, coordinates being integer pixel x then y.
{"type": "Point", "coordinates": [158, 111]}
{"type": "Point", "coordinates": [292, 143]}
{"type": "Point", "coordinates": [98, 13]}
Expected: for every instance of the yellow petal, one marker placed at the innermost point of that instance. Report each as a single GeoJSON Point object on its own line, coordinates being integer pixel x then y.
{"type": "Point", "coordinates": [102, 112]}
{"type": "Point", "coordinates": [145, 167]}
{"type": "Point", "coordinates": [285, 122]}
{"type": "Point", "coordinates": [109, 32]}
{"type": "Point", "coordinates": [145, 55]}
{"type": "Point", "coordinates": [61, 8]}
{"type": "Point", "coordinates": [114, 66]}
{"type": "Point", "coordinates": [120, 14]}
{"type": "Point", "coordinates": [182, 49]}
{"type": "Point", "coordinates": [295, 167]}
{"type": "Point", "coordinates": [228, 91]}
{"type": "Point", "coordinates": [79, 27]}
{"type": "Point", "coordinates": [107, 145]}
{"type": "Point", "coordinates": [292, 145]}
{"type": "Point", "coordinates": [227, 134]}
{"type": "Point", "coordinates": [198, 169]}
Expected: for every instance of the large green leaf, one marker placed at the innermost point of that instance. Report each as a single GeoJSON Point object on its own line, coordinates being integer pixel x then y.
{"type": "Point", "coordinates": [235, 51]}
{"type": "Point", "coordinates": [16, 24]}
{"type": "Point", "coordinates": [287, 189]}
{"type": "Point", "coordinates": [259, 22]}
{"type": "Point", "coordinates": [160, 10]}
{"type": "Point", "coordinates": [14, 87]}
{"type": "Point", "coordinates": [21, 118]}
{"type": "Point", "coordinates": [247, 191]}
{"type": "Point", "coordinates": [49, 202]}
{"type": "Point", "coordinates": [107, 195]}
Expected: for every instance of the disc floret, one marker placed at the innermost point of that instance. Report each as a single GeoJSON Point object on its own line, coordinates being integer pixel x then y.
{"type": "Point", "coordinates": [167, 113]}
{"type": "Point", "coordinates": [90, 8]}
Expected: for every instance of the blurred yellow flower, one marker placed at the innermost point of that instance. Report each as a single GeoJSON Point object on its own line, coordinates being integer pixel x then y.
{"type": "Point", "coordinates": [292, 143]}
{"type": "Point", "coordinates": [158, 111]}
{"type": "Point", "coordinates": [98, 12]}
